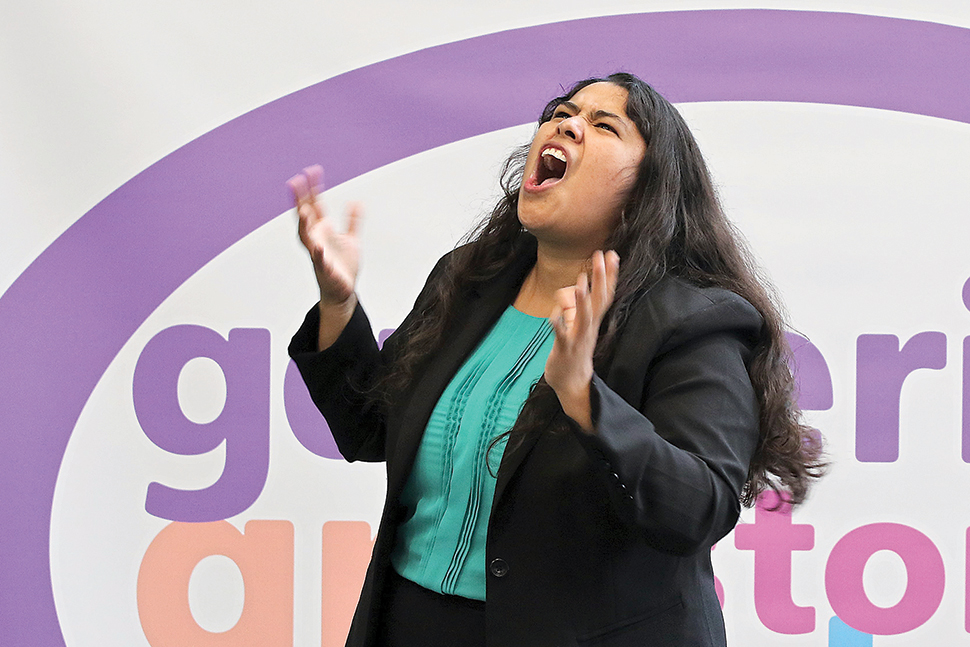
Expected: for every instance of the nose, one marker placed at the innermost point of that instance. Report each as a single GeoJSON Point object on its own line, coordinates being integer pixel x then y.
{"type": "Point", "coordinates": [572, 128]}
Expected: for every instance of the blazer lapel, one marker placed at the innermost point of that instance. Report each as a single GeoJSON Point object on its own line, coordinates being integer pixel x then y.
{"type": "Point", "coordinates": [511, 460]}
{"type": "Point", "coordinates": [476, 313]}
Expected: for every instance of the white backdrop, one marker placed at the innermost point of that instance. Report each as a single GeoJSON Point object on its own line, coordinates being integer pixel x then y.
{"type": "Point", "coordinates": [859, 216]}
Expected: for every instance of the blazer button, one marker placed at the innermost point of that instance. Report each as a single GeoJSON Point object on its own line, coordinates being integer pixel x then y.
{"type": "Point", "coordinates": [498, 567]}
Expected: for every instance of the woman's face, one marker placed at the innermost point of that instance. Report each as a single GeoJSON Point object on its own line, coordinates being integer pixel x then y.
{"type": "Point", "coordinates": [581, 166]}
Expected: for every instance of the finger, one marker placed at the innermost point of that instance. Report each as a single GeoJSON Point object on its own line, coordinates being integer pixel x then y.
{"type": "Point", "coordinates": [306, 203]}
{"type": "Point", "coordinates": [565, 297]}
{"type": "Point", "coordinates": [314, 176]}
{"type": "Point", "coordinates": [583, 305]}
{"type": "Point", "coordinates": [299, 188]}
{"type": "Point", "coordinates": [568, 317]}
{"type": "Point", "coordinates": [309, 215]}
{"type": "Point", "coordinates": [598, 283]}
{"type": "Point", "coordinates": [612, 275]}
{"type": "Point", "coordinates": [354, 214]}
{"type": "Point", "coordinates": [557, 321]}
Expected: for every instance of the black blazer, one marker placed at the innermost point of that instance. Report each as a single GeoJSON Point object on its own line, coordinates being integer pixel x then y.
{"type": "Point", "coordinates": [592, 540]}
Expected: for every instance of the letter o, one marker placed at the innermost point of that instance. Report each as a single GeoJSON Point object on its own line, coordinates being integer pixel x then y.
{"type": "Point", "coordinates": [925, 577]}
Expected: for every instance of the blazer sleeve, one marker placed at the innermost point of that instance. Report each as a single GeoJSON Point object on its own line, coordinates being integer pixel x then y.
{"type": "Point", "coordinates": [677, 459]}
{"type": "Point", "coordinates": [341, 378]}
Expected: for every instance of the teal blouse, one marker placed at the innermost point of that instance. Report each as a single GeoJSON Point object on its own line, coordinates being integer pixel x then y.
{"type": "Point", "coordinates": [451, 486]}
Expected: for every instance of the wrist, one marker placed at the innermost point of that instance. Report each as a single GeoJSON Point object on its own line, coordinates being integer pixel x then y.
{"type": "Point", "coordinates": [576, 404]}
{"type": "Point", "coordinates": [329, 305]}
{"type": "Point", "coordinates": [333, 319]}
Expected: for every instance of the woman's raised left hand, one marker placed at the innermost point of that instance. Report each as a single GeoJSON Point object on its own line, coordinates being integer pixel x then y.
{"type": "Point", "coordinates": [576, 320]}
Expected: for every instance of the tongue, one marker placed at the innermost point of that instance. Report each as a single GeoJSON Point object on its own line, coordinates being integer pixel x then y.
{"type": "Point", "coordinates": [556, 168]}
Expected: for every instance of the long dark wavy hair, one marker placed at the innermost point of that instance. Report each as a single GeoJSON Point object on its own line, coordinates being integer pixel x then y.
{"type": "Point", "coordinates": [672, 223]}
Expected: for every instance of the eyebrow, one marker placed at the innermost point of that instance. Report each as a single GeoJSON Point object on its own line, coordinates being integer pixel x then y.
{"type": "Point", "coordinates": [597, 114]}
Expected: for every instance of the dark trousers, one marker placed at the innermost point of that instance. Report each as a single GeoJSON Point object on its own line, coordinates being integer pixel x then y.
{"type": "Point", "coordinates": [416, 617]}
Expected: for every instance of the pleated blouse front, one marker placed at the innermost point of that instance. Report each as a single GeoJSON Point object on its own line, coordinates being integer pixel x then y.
{"type": "Point", "coordinates": [452, 484]}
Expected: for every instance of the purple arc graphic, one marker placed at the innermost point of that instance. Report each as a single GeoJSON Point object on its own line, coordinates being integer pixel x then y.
{"type": "Point", "coordinates": [66, 317]}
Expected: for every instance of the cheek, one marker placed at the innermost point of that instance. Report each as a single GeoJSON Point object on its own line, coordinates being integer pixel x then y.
{"type": "Point", "coordinates": [615, 182]}
{"type": "Point", "coordinates": [626, 177]}
{"type": "Point", "coordinates": [616, 165]}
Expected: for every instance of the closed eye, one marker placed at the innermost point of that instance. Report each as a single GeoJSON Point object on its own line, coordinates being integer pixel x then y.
{"type": "Point", "coordinates": [608, 127]}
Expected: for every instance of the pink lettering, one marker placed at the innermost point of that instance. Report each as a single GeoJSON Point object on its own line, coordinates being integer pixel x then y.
{"type": "Point", "coordinates": [347, 547]}
{"type": "Point", "coordinates": [773, 537]}
{"type": "Point", "coordinates": [264, 556]}
{"type": "Point", "coordinates": [924, 571]}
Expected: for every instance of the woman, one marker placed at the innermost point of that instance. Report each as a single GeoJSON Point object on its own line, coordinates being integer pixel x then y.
{"type": "Point", "coordinates": [662, 400]}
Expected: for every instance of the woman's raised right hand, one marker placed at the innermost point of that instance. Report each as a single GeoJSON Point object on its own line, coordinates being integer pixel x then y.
{"type": "Point", "coordinates": [335, 255]}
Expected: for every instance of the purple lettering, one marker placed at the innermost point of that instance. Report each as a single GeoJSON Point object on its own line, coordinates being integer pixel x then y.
{"type": "Point", "coordinates": [243, 422]}
{"type": "Point", "coordinates": [811, 374]}
{"type": "Point", "coordinates": [881, 369]}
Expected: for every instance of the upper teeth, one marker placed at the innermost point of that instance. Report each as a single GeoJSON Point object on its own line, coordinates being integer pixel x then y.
{"type": "Point", "coordinates": [555, 152]}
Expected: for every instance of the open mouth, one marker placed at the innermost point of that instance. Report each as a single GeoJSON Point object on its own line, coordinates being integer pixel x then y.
{"type": "Point", "coordinates": [551, 167]}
